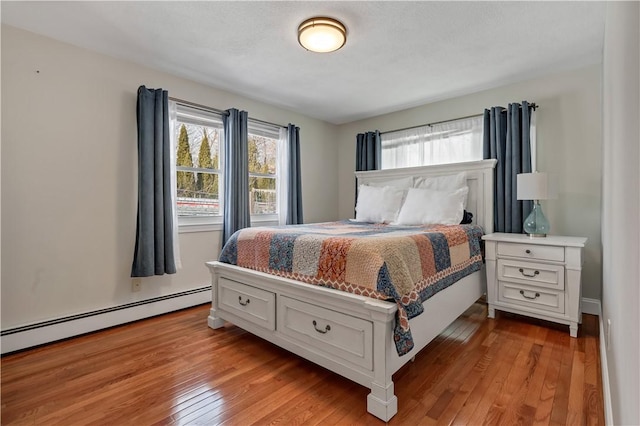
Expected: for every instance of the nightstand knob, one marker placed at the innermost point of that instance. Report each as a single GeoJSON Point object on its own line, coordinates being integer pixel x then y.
{"type": "Point", "coordinates": [527, 251]}
{"type": "Point", "coordinates": [528, 275]}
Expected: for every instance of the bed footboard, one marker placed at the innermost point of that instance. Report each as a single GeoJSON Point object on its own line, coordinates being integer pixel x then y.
{"type": "Point", "coordinates": [345, 333]}
{"type": "Point", "coordinates": [214, 321]}
{"type": "Point", "coordinates": [348, 334]}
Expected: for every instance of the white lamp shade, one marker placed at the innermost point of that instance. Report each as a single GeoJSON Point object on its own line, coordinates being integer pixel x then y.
{"type": "Point", "coordinates": [534, 186]}
{"type": "Point", "coordinates": [322, 34]}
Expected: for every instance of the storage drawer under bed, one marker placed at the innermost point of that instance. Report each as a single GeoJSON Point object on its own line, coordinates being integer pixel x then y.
{"type": "Point", "coordinates": [330, 332]}
{"type": "Point", "coordinates": [249, 303]}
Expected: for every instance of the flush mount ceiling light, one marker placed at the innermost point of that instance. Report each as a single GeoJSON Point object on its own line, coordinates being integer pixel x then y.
{"type": "Point", "coordinates": [322, 35]}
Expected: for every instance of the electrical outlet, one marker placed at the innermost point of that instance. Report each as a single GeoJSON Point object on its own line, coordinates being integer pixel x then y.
{"type": "Point", "coordinates": [608, 333]}
{"type": "Point", "coordinates": [136, 284]}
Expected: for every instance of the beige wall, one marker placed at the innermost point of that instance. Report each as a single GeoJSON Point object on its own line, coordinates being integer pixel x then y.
{"type": "Point", "coordinates": [569, 147]}
{"type": "Point", "coordinates": [69, 181]}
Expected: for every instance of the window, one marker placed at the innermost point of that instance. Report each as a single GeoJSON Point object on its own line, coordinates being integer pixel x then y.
{"type": "Point", "coordinates": [198, 136]}
{"type": "Point", "coordinates": [448, 142]}
{"type": "Point", "coordinates": [199, 158]}
{"type": "Point", "coordinates": [263, 173]}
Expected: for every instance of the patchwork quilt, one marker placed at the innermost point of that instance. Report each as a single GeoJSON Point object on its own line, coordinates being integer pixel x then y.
{"type": "Point", "coordinates": [403, 264]}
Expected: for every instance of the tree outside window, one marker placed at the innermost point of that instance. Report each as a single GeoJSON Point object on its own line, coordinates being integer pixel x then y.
{"type": "Point", "coordinates": [198, 192]}
{"type": "Point", "coordinates": [262, 174]}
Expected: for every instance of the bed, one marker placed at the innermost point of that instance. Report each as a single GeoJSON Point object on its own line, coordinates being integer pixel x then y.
{"type": "Point", "coordinates": [350, 334]}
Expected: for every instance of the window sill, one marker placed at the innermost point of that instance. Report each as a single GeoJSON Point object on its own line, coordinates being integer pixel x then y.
{"type": "Point", "coordinates": [211, 227]}
{"type": "Point", "coordinates": [265, 220]}
{"type": "Point", "coordinates": [194, 224]}
{"type": "Point", "coordinates": [199, 224]}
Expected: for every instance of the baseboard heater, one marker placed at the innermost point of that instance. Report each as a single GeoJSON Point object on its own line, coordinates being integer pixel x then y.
{"type": "Point", "coordinates": [17, 338]}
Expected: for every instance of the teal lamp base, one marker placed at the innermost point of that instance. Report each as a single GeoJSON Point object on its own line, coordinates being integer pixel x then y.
{"type": "Point", "coordinates": [536, 225]}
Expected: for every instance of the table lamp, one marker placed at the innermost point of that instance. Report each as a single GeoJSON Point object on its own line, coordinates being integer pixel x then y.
{"type": "Point", "coordinates": [534, 186]}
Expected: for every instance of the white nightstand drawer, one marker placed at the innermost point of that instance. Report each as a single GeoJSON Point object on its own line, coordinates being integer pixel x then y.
{"type": "Point", "coordinates": [533, 297]}
{"type": "Point", "coordinates": [335, 334]}
{"type": "Point", "coordinates": [531, 251]}
{"type": "Point", "coordinates": [250, 303]}
{"type": "Point", "coordinates": [538, 274]}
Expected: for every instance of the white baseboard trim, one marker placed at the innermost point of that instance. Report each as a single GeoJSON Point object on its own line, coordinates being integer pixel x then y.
{"type": "Point", "coordinates": [594, 307]}
{"type": "Point", "coordinates": [591, 306]}
{"type": "Point", "coordinates": [61, 328]}
{"type": "Point", "coordinates": [604, 367]}
{"type": "Point", "coordinates": [606, 389]}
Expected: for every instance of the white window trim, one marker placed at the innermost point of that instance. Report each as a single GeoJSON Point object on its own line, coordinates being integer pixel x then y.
{"type": "Point", "coordinates": [188, 224]}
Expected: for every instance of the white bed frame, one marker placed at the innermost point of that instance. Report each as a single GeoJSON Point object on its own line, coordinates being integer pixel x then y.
{"type": "Point", "coordinates": [348, 334]}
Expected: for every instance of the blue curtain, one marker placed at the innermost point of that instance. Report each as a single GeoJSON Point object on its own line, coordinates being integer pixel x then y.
{"type": "Point", "coordinates": [294, 202]}
{"type": "Point", "coordinates": [237, 214]}
{"type": "Point", "coordinates": [153, 254]}
{"type": "Point", "coordinates": [507, 139]}
{"type": "Point", "coordinates": [368, 151]}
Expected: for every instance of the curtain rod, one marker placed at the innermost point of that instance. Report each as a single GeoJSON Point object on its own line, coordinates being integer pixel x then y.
{"type": "Point", "coordinates": [533, 106]}
{"type": "Point", "coordinates": [219, 111]}
{"type": "Point", "coordinates": [431, 124]}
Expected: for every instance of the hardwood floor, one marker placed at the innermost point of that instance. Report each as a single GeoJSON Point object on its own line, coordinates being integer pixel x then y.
{"type": "Point", "coordinates": [173, 369]}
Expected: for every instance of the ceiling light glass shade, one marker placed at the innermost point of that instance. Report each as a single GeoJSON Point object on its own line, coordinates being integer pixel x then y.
{"type": "Point", "coordinates": [322, 35]}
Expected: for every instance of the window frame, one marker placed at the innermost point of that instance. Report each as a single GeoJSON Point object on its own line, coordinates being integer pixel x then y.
{"type": "Point", "coordinates": [198, 116]}
{"type": "Point", "coordinates": [427, 136]}
{"type": "Point", "coordinates": [202, 116]}
{"type": "Point", "coordinates": [272, 131]}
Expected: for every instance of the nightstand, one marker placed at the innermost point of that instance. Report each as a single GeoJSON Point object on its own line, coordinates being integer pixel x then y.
{"type": "Point", "coordinates": [537, 277]}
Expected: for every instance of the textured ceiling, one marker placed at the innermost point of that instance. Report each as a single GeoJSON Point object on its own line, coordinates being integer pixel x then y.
{"type": "Point", "coordinates": [398, 54]}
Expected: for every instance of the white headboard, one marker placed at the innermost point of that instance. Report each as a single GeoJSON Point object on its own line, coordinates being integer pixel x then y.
{"type": "Point", "coordinates": [479, 180]}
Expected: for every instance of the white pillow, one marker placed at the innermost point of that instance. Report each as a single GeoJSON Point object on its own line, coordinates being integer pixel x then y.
{"type": "Point", "coordinates": [442, 183]}
{"type": "Point", "coordinates": [449, 183]}
{"type": "Point", "coordinates": [430, 207]}
{"type": "Point", "coordinates": [404, 183]}
{"type": "Point", "coordinates": [378, 204]}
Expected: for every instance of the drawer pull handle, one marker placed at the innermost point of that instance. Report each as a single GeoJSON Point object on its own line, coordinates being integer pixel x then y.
{"type": "Point", "coordinates": [327, 328]}
{"type": "Point", "coordinates": [527, 251]}
{"type": "Point", "coordinates": [529, 297]}
{"type": "Point", "coordinates": [243, 303]}
{"type": "Point", "coordinates": [528, 275]}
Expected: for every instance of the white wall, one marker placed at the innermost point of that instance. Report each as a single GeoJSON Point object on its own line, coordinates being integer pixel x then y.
{"type": "Point", "coordinates": [69, 180]}
{"type": "Point", "coordinates": [621, 208]}
{"type": "Point", "coordinates": [569, 147]}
